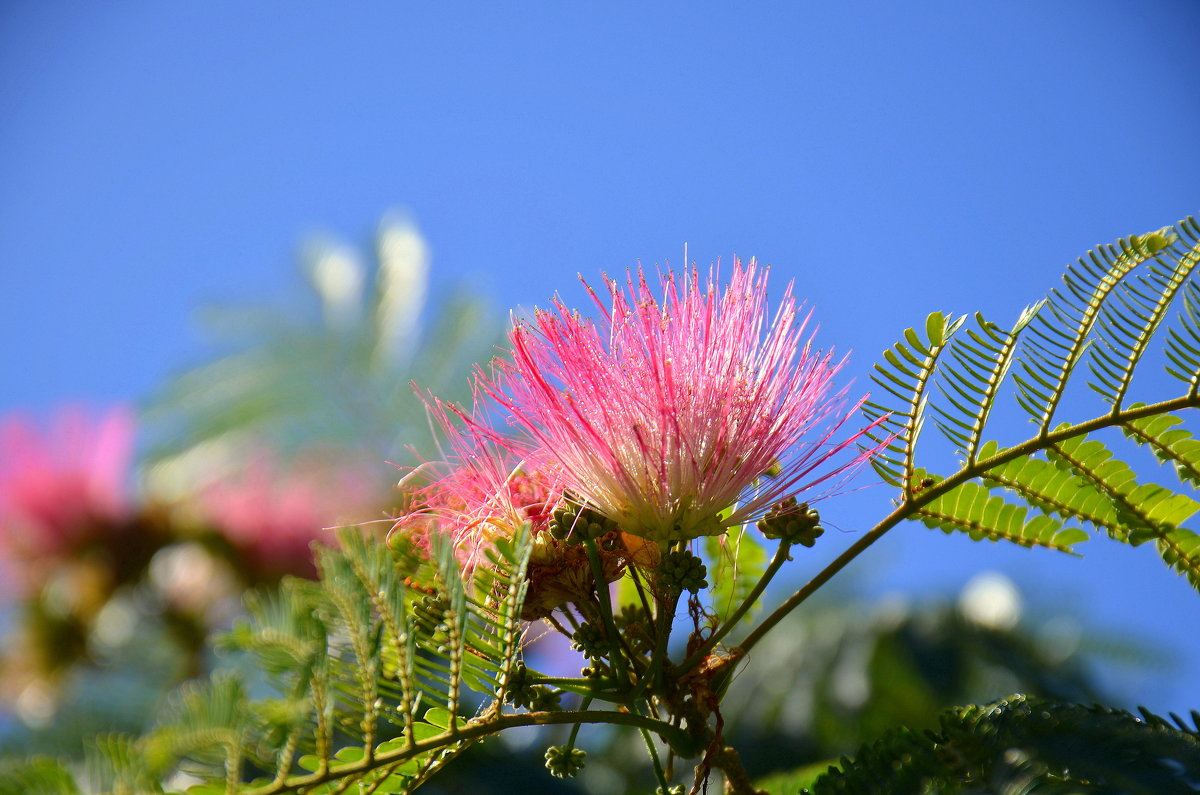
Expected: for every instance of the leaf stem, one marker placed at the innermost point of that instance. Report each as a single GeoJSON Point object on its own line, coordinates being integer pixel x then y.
{"type": "Point", "coordinates": [583, 707]}
{"type": "Point", "coordinates": [659, 773]}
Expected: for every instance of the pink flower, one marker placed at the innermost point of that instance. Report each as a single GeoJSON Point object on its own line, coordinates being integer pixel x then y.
{"type": "Point", "coordinates": [482, 494]}
{"type": "Point", "coordinates": [478, 494]}
{"type": "Point", "coordinates": [61, 484]}
{"type": "Point", "coordinates": [678, 417]}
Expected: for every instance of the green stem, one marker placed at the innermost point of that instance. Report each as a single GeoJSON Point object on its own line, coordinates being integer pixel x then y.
{"type": "Point", "coordinates": [664, 617]}
{"type": "Point", "coordinates": [659, 773]}
{"type": "Point", "coordinates": [675, 737]}
{"type": "Point", "coordinates": [605, 603]}
{"type": "Point", "coordinates": [574, 622]}
{"type": "Point", "coordinates": [584, 686]}
{"type": "Point", "coordinates": [554, 622]}
{"type": "Point", "coordinates": [583, 707]}
{"type": "Point", "coordinates": [781, 557]}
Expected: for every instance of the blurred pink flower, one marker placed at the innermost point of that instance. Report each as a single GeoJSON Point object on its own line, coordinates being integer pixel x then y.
{"type": "Point", "coordinates": [678, 417]}
{"type": "Point", "coordinates": [62, 484]}
{"type": "Point", "coordinates": [270, 513]}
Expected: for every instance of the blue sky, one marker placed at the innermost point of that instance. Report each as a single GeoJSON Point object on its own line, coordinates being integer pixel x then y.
{"type": "Point", "coordinates": [890, 158]}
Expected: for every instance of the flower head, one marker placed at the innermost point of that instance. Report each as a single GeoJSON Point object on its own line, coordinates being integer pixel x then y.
{"type": "Point", "coordinates": [680, 416]}
{"type": "Point", "coordinates": [60, 482]}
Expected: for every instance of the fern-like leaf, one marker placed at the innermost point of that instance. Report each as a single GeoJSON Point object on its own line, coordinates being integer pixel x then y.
{"type": "Point", "coordinates": [1133, 313]}
{"type": "Point", "coordinates": [1183, 339]}
{"type": "Point", "coordinates": [1052, 489]}
{"type": "Point", "coordinates": [1146, 511]}
{"type": "Point", "coordinates": [378, 670]}
{"type": "Point", "coordinates": [906, 374]}
{"type": "Point", "coordinates": [1170, 443]}
{"type": "Point", "coordinates": [980, 361]}
{"type": "Point", "coordinates": [1062, 329]}
{"type": "Point", "coordinates": [1114, 304]}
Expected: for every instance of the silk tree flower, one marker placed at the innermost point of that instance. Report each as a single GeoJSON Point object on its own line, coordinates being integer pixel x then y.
{"type": "Point", "coordinates": [63, 486]}
{"type": "Point", "coordinates": [477, 494]}
{"type": "Point", "coordinates": [677, 417]}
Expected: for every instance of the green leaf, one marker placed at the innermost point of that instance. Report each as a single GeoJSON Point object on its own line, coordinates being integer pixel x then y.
{"type": "Point", "coordinates": [935, 329]}
{"type": "Point", "coordinates": [442, 718]}
{"type": "Point", "coordinates": [37, 776]}
{"type": "Point", "coordinates": [793, 781]}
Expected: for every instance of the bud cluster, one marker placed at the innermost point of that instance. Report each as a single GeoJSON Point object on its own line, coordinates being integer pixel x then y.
{"type": "Point", "coordinates": [523, 694]}
{"type": "Point", "coordinates": [573, 523]}
{"type": "Point", "coordinates": [681, 570]}
{"type": "Point", "coordinates": [793, 522]}
{"type": "Point", "coordinates": [591, 641]}
{"type": "Point", "coordinates": [563, 761]}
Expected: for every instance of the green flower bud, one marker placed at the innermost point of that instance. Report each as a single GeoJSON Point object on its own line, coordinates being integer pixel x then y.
{"type": "Point", "coordinates": [597, 670]}
{"type": "Point", "coordinates": [795, 523]}
{"type": "Point", "coordinates": [591, 641]}
{"type": "Point", "coordinates": [680, 570]}
{"type": "Point", "coordinates": [523, 694]}
{"type": "Point", "coordinates": [574, 523]}
{"type": "Point", "coordinates": [519, 691]}
{"type": "Point", "coordinates": [564, 762]}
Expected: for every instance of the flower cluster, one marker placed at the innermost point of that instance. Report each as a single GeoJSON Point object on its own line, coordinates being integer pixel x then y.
{"type": "Point", "coordinates": [669, 417]}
